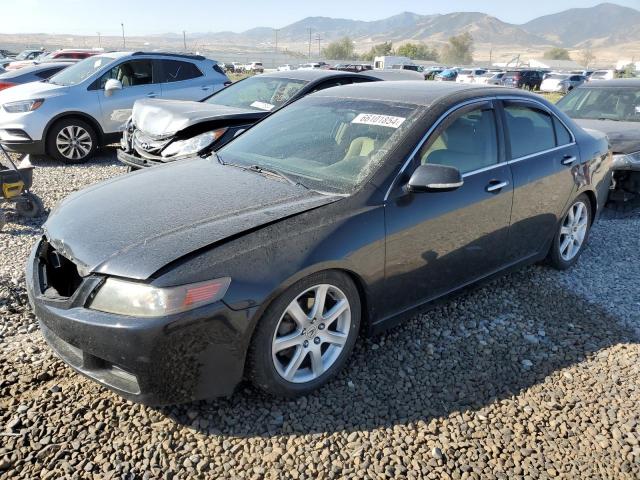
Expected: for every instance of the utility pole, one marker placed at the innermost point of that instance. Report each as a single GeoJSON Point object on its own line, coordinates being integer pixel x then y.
{"type": "Point", "coordinates": [184, 40]}
{"type": "Point", "coordinates": [318, 39]}
{"type": "Point", "coordinates": [99, 40]}
{"type": "Point", "coordinates": [309, 44]}
{"type": "Point", "coordinates": [276, 30]}
{"type": "Point", "coordinates": [124, 43]}
{"type": "Point", "coordinates": [490, 55]}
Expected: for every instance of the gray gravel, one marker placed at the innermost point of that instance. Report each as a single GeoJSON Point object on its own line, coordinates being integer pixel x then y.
{"type": "Point", "coordinates": [536, 375]}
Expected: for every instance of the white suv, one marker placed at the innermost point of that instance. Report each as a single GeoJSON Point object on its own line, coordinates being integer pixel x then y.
{"type": "Point", "coordinates": [86, 105]}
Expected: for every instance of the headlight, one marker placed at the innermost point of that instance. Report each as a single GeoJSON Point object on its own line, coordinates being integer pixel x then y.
{"type": "Point", "coordinates": [193, 145]}
{"type": "Point", "coordinates": [23, 106]}
{"type": "Point", "coordinates": [123, 297]}
{"type": "Point", "coordinates": [626, 161]}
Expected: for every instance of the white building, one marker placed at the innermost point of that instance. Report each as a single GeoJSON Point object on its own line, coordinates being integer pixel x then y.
{"type": "Point", "coordinates": [560, 65]}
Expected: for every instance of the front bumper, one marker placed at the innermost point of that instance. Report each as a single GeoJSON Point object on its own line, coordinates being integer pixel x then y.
{"type": "Point", "coordinates": [33, 147]}
{"type": "Point", "coordinates": [135, 161]}
{"type": "Point", "coordinates": [169, 360]}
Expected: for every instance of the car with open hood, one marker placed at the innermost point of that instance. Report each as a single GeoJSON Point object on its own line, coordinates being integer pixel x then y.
{"type": "Point", "coordinates": [164, 131]}
{"type": "Point", "coordinates": [337, 215]}
{"type": "Point", "coordinates": [612, 107]}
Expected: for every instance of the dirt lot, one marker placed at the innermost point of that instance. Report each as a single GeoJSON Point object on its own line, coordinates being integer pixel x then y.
{"type": "Point", "coordinates": [536, 375]}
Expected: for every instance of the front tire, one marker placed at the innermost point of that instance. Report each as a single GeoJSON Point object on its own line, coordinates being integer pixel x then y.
{"type": "Point", "coordinates": [572, 234]}
{"type": "Point", "coordinates": [72, 140]}
{"type": "Point", "coordinates": [306, 335]}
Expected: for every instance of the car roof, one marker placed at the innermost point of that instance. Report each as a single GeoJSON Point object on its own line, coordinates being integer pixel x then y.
{"type": "Point", "coordinates": [413, 92]}
{"type": "Point", "coordinates": [308, 75]}
{"type": "Point", "coordinates": [616, 83]}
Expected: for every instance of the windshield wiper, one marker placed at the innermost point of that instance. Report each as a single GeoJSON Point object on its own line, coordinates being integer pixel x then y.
{"type": "Point", "coordinates": [275, 173]}
{"type": "Point", "coordinates": [218, 158]}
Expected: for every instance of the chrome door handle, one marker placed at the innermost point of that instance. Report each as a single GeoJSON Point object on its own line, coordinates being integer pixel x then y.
{"type": "Point", "coordinates": [152, 95]}
{"type": "Point", "coordinates": [568, 160]}
{"type": "Point", "coordinates": [206, 88]}
{"type": "Point", "coordinates": [496, 186]}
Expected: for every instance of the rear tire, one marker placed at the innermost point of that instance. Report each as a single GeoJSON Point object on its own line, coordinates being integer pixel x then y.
{"type": "Point", "coordinates": [572, 234]}
{"type": "Point", "coordinates": [296, 348]}
{"type": "Point", "coordinates": [72, 140]}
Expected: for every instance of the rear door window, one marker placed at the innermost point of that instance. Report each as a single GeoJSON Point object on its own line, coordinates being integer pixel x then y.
{"type": "Point", "coordinates": [177, 71]}
{"type": "Point", "coordinates": [530, 130]}
{"type": "Point", "coordinates": [563, 137]}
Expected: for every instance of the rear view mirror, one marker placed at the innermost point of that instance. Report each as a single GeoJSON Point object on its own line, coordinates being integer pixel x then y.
{"type": "Point", "coordinates": [111, 86]}
{"type": "Point", "coordinates": [432, 177]}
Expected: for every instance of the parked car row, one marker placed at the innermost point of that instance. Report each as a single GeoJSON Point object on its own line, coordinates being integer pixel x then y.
{"type": "Point", "coordinates": [340, 211]}
{"type": "Point", "coordinates": [235, 67]}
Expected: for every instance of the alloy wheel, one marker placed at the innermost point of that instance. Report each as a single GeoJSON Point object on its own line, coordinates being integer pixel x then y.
{"type": "Point", "coordinates": [74, 142]}
{"type": "Point", "coordinates": [311, 333]}
{"type": "Point", "coordinates": [573, 230]}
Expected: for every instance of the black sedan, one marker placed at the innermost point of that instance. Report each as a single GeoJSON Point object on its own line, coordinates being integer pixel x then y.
{"type": "Point", "coordinates": [162, 131]}
{"type": "Point", "coordinates": [36, 73]}
{"type": "Point", "coordinates": [339, 214]}
{"type": "Point", "coordinates": [612, 107]}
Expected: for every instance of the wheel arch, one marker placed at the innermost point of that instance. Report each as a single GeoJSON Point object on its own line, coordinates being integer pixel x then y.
{"type": "Point", "coordinates": [360, 283]}
{"type": "Point", "coordinates": [593, 201]}
{"type": "Point", "coordinates": [73, 114]}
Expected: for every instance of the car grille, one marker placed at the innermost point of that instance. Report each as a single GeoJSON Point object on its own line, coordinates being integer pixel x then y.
{"type": "Point", "coordinates": [148, 147]}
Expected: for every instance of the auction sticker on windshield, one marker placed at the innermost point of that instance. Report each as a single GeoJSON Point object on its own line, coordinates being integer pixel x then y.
{"type": "Point", "coordinates": [263, 106]}
{"type": "Point", "coordinates": [379, 120]}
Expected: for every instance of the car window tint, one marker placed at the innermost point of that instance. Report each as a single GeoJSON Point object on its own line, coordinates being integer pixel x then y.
{"type": "Point", "coordinates": [530, 130]}
{"type": "Point", "coordinates": [131, 74]}
{"type": "Point", "coordinates": [176, 71]}
{"type": "Point", "coordinates": [46, 73]}
{"type": "Point", "coordinates": [470, 142]}
{"type": "Point", "coordinates": [563, 137]}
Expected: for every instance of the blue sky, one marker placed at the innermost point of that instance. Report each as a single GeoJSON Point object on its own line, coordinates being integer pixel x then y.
{"type": "Point", "coordinates": [86, 17]}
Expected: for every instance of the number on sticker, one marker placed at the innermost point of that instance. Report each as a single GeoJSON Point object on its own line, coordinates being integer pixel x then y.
{"type": "Point", "coordinates": [379, 120]}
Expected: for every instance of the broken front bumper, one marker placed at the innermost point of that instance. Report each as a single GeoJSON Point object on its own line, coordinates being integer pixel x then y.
{"type": "Point", "coordinates": [156, 361]}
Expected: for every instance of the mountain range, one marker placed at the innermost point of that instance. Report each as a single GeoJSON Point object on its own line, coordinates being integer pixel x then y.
{"type": "Point", "coordinates": [604, 24]}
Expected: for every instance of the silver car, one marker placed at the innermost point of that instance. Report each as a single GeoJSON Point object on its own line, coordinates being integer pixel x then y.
{"type": "Point", "coordinates": [86, 105]}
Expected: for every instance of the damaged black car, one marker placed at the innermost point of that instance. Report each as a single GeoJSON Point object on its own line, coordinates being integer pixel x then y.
{"type": "Point", "coordinates": [612, 107]}
{"type": "Point", "coordinates": [336, 216]}
{"type": "Point", "coordinates": [161, 131]}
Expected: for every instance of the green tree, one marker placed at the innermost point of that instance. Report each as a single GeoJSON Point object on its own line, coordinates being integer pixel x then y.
{"type": "Point", "coordinates": [629, 71]}
{"type": "Point", "coordinates": [379, 50]}
{"type": "Point", "coordinates": [458, 50]}
{"type": "Point", "coordinates": [417, 51]}
{"type": "Point", "coordinates": [339, 50]}
{"type": "Point", "coordinates": [557, 53]}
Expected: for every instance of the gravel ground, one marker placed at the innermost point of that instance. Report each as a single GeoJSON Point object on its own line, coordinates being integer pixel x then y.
{"type": "Point", "coordinates": [535, 375]}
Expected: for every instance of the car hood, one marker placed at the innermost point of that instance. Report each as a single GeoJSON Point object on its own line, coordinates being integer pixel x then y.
{"type": "Point", "coordinates": [623, 136]}
{"type": "Point", "coordinates": [27, 91]}
{"type": "Point", "coordinates": [133, 225]}
{"type": "Point", "coordinates": [164, 118]}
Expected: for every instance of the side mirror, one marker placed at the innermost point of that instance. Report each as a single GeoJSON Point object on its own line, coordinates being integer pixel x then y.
{"type": "Point", "coordinates": [432, 177]}
{"type": "Point", "coordinates": [111, 86]}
